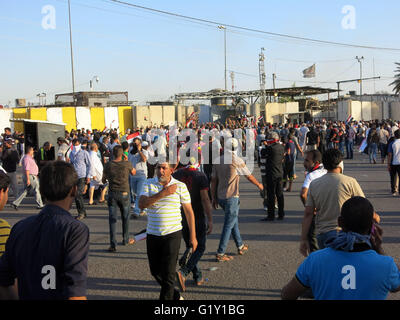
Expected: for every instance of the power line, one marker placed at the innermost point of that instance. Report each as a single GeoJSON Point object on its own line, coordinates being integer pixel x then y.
{"type": "Point", "coordinates": [189, 18]}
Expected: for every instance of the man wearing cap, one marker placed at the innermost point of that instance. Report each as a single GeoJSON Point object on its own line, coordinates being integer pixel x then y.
{"type": "Point", "coordinates": [225, 192]}
{"type": "Point", "coordinates": [272, 155]}
{"type": "Point", "coordinates": [63, 150]}
{"type": "Point", "coordinates": [10, 160]}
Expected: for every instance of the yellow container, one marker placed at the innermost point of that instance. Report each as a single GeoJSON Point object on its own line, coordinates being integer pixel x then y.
{"type": "Point", "coordinates": [69, 118]}
{"type": "Point", "coordinates": [38, 114]}
{"type": "Point", "coordinates": [19, 113]}
{"type": "Point", "coordinates": [125, 119]}
{"type": "Point", "coordinates": [97, 117]}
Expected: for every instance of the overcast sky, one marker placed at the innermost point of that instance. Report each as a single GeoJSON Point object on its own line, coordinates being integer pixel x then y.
{"type": "Point", "coordinates": [153, 56]}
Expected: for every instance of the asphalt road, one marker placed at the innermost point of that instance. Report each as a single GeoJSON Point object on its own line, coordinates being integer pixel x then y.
{"type": "Point", "coordinates": [270, 263]}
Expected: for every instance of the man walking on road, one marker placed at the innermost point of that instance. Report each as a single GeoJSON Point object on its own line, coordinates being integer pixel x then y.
{"type": "Point", "coordinates": [30, 178]}
{"type": "Point", "coordinates": [117, 172]}
{"type": "Point", "coordinates": [326, 196]}
{"type": "Point", "coordinates": [163, 197]}
{"type": "Point", "coordinates": [81, 161]}
{"type": "Point", "coordinates": [394, 160]}
{"type": "Point", "coordinates": [198, 186]}
{"type": "Point", "coordinates": [225, 192]}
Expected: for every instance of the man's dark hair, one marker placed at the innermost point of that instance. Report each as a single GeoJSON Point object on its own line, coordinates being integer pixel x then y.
{"type": "Point", "coordinates": [4, 181]}
{"type": "Point", "coordinates": [75, 141]}
{"type": "Point", "coordinates": [316, 155]}
{"type": "Point", "coordinates": [28, 148]}
{"type": "Point", "coordinates": [397, 134]}
{"type": "Point", "coordinates": [56, 180]}
{"type": "Point", "coordinates": [125, 145]}
{"type": "Point", "coordinates": [118, 151]}
{"type": "Point", "coordinates": [114, 136]}
{"type": "Point", "coordinates": [331, 159]}
{"type": "Point", "coordinates": [7, 129]}
{"type": "Point", "coordinates": [357, 215]}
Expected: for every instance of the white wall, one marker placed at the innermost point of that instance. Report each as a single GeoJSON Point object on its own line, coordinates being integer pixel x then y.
{"type": "Point", "coordinates": [55, 115]}
{"type": "Point", "coordinates": [83, 118]}
{"type": "Point", "coordinates": [395, 110]}
{"type": "Point", "coordinates": [5, 115]}
{"type": "Point", "coordinates": [111, 117]}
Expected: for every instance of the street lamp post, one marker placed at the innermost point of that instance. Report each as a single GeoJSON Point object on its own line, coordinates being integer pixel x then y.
{"type": "Point", "coordinates": [224, 28]}
{"type": "Point", "coordinates": [359, 59]}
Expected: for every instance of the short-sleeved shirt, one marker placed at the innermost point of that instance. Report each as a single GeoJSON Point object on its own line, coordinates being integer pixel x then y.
{"type": "Point", "coordinates": [195, 181]}
{"type": "Point", "coordinates": [117, 173]}
{"type": "Point", "coordinates": [290, 148]}
{"type": "Point", "coordinates": [164, 217]}
{"type": "Point", "coordinates": [228, 176]}
{"type": "Point", "coordinates": [311, 176]}
{"type": "Point", "coordinates": [272, 157]}
{"type": "Point", "coordinates": [339, 275]}
{"type": "Point", "coordinates": [394, 149]}
{"type": "Point", "coordinates": [29, 164]}
{"type": "Point", "coordinates": [4, 233]}
{"type": "Point", "coordinates": [63, 151]}
{"type": "Point", "coordinates": [48, 254]}
{"type": "Point", "coordinates": [138, 163]}
{"type": "Point", "coordinates": [327, 195]}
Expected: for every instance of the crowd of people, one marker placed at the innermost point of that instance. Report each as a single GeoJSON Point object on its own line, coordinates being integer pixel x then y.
{"type": "Point", "coordinates": [175, 177]}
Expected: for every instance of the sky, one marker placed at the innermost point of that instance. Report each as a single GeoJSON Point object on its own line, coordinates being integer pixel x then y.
{"type": "Point", "coordinates": [154, 56]}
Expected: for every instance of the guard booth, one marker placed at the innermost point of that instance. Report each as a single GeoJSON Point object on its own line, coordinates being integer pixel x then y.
{"type": "Point", "coordinates": [38, 132]}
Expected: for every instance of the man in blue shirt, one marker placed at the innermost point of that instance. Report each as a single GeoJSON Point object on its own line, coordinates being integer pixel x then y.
{"type": "Point", "coordinates": [352, 266]}
{"type": "Point", "coordinates": [81, 161]}
{"type": "Point", "coordinates": [48, 252]}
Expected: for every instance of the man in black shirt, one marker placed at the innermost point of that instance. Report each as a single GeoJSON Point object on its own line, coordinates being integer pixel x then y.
{"type": "Point", "coordinates": [272, 175]}
{"type": "Point", "coordinates": [313, 139]}
{"type": "Point", "coordinates": [48, 252]}
{"type": "Point", "coordinates": [45, 154]}
{"type": "Point", "coordinates": [198, 186]}
{"type": "Point", "coordinates": [10, 159]}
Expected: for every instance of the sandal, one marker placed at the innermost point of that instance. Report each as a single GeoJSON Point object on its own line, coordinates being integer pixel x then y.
{"type": "Point", "coordinates": [223, 257]}
{"type": "Point", "coordinates": [244, 248]}
{"type": "Point", "coordinates": [200, 282]}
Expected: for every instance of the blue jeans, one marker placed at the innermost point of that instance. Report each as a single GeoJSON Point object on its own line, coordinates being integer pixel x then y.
{"type": "Point", "coordinates": [372, 151]}
{"type": "Point", "coordinates": [349, 149]}
{"type": "Point", "coordinates": [118, 200]}
{"type": "Point", "coordinates": [341, 147]}
{"type": "Point", "coordinates": [137, 185]}
{"type": "Point", "coordinates": [231, 224]}
{"type": "Point", "coordinates": [322, 237]}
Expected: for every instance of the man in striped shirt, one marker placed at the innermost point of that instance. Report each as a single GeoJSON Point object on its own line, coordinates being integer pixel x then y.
{"type": "Point", "coordinates": [4, 226]}
{"type": "Point", "coordinates": [163, 197]}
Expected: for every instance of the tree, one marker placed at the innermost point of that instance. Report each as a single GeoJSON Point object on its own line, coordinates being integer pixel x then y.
{"type": "Point", "coordinates": [396, 82]}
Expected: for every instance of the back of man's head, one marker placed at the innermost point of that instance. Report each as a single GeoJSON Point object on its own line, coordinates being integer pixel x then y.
{"type": "Point", "coordinates": [331, 159]}
{"type": "Point", "coordinates": [315, 155]}
{"type": "Point", "coordinates": [357, 215]}
{"type": "Point", "coordinates": [56, 180]}
{"type": "Point", "coordinates": [397, 134]}
{"type": "Point", "coordinates": [118, 151]}
{"type": "Point", "coordinates": [4, 181]}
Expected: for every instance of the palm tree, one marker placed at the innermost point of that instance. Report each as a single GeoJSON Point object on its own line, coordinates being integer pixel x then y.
{"type": "Point", "coordinates": [396, 82]}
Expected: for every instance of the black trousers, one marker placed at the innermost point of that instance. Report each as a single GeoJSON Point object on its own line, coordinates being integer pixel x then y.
{"type": "Point", "coordinates": [394, 177]}
{"type": "Point", "coordinates": [162, 252]}
{"type": "Point", "coordinates": [80, 206]}
{"type": "Point", "coordinates": [274, 188]}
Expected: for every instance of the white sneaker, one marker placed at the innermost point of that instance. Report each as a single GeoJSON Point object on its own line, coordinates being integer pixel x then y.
{"type": "Point", "coordinates": [394, 194]}
{"type": "Point", "coordinates": [181, 298]}
{"type": "Point", "coordinates": [265, 208]}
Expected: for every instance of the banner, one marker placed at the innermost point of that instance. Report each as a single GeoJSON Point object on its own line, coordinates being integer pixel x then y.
{"type": "Point", "coordinates": [309, 72]}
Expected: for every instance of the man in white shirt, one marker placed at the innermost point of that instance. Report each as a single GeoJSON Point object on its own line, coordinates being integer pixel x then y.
{"type": "Point", "coordinates": [315, 170]}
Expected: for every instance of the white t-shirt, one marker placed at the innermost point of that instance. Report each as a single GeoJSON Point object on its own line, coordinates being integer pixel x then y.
{"type": "Point", "coordinates": [314, 175]}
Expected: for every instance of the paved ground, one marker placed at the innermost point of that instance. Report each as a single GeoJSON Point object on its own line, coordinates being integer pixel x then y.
{"type": "Point", "coordinates": [260, 274]}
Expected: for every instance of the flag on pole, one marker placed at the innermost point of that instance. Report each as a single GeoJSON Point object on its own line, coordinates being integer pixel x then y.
{"type": "Point", "coordinates": [132, 136]}
{"type": "Point", "coordinates": [260, 118]}
{"type": "Point", "coordinates": [309, 72]}
{"type": "Point", "coordinates": [349, 119]}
